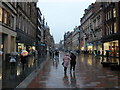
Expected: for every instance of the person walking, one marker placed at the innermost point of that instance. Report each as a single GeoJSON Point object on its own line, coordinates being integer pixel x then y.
{"type": "Point", "coordinates": [72, 62]}
{"type": "Point", "coordinates": [66, 61]}
{"type": "Point", "coordinates": [56, 56]}
{"type": "Point", "coordinates": [23, 57]}
{"type": "Point", "coordinates": [107, 55]}
{"type": "Point", "coordinates": [23, 61]}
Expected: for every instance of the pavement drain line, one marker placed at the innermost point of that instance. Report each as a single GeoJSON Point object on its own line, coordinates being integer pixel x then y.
{"type": "Point", "coordinates": [30, 77]}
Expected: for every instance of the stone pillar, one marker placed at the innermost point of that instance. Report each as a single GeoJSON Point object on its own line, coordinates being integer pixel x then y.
{"type": "Point", "coordinates": [8, 44]}
{"type": "Point", "coordinates": [15, 44]}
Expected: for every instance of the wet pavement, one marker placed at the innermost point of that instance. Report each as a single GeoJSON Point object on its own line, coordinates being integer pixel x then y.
{"type": "Point", "coordinates": [14, 75]}
{"type": "Point", "coordinates": [89, 74]}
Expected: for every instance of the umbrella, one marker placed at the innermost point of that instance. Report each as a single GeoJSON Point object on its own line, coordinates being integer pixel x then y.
{"type": "Point", "coordinates": [24, 53]}
{"type": "Point", "coordinates": [14, 53]}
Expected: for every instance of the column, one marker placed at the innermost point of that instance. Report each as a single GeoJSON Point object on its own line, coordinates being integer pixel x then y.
{"type": "Point", "coordinates": [8, 44]}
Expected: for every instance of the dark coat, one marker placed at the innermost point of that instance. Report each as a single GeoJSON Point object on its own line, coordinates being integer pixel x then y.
{"type": "Point", "coordinates": [23, 59]}
{"type": "Point", "coordinates": [73, 59]}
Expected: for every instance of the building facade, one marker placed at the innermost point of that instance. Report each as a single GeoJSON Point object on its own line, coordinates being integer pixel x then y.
{"type": "Point", "coordinates": [68, 41]}
{"type": "Point", "coordinates": [100, 29]}
{"type": "Point", "coordinates": [75, 39]}
{"type": "Point", "coordinates": [38, 30]}
{"type": "Point", "coordinates": [86, 33]}
{"type": "Point", "coordinates": [26, 25]}
{"type": "Point", "coordinates": [8, 33]}
{"type": "Point", "coordinates": [96, 29]}
{"type": "Point", "coordinates": [111, 32]}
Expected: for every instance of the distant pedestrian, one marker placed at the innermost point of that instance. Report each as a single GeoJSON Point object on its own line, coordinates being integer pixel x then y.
{"type": "Point", "coordinates": [12, 61]}
{"type": "Point", "coordinates": [56, 55]}
{"type": "Point", "coordinates": [66, 61]}
{"type": "Point", "coordinates": [23, 56]}
{"type": "Point", "coordinates": [107, 55]}
{"type": "Point", "coordinates": [72, 62]}
{"type": "Point", "coordinates": [23, 61]}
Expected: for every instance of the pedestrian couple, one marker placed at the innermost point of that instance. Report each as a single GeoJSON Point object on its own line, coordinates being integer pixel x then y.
{"type": "Point", "coordinates": [69, 58]}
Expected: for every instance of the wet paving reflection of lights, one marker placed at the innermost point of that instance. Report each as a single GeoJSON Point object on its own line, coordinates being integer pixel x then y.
{"type": "Point", "coordinates": [0, 76]}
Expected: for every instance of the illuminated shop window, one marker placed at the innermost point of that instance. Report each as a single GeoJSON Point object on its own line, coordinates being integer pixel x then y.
{"type": "Point", "coordinates": [5, 17]}
{"type": "Point", "coordinates": [114, 12]}
{"type": "Point", "coordinates": [0, 14]}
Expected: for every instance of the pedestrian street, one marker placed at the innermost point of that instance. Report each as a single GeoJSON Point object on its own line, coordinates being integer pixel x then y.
{"type": "Point", "coordinates": [89, 73]}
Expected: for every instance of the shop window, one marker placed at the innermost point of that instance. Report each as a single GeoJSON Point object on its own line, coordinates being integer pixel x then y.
{"type": "Point", "coordinates": [114, 49]}
{"type": "Point", "coordinates": [115, 28]}
{"type": "Point", "coordinates": [114, 12]}
{"type": "Point", "coordinates": [8, 19]}
{"type": "Point", "coordinates": [1, 14]}
{"type": "Point", "coordinates": [5, 17]}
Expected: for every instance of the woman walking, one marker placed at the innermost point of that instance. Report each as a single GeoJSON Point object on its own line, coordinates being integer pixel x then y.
{"type": "Point", "coordinates": [66, 61]}
{"type": "Point", "coordinates": [72, 62]}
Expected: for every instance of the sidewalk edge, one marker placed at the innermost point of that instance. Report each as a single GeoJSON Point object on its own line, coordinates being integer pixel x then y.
{"type": "Point", "coordinates": [30, 77]}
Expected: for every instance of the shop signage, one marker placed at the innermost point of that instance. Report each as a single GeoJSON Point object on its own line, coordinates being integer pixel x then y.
{"type": "Point", "coordinates": [42, 44]}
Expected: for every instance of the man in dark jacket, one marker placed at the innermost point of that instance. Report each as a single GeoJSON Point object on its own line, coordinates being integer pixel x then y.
{"type": "Point", "coordinates": [72, 62]}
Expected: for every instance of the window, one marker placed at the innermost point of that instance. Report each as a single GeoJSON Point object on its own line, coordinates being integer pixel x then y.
{"type": "Point", "coordinates": [12, 21]}
{"type": "Point", "coordinates": [106, 16]}
{"type": "Point", "coordinates": [111, 29]}
{"type": "Point", "coordinates": [114, 12]}
{"type": "Point", "coordinates": [1, 14]}
{"type": "Point", "coordinates": [19, 20]}
{"type": "Point", "coordinates": [110, 14]}
{"type": "Point", "coordinates": [5, 17]}
{"type": "Point", "coordinates": [23, 24]}
{"type": "Point", "coordinates": [115, 28]}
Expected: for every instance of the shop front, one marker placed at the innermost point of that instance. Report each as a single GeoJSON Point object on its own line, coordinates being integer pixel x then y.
{"type": "Point", "coordinates": [97, 48]}
{"type": "Point", "coordinates": [82, 45]}
{"type": "Point", "coordinates": [112, 47]}
{"type": "Point", "coordinates": [21, 46]}
{"type": "Point", "coordinates": [89, 47]}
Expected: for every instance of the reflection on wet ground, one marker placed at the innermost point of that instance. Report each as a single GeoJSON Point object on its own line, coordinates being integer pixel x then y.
{"type": "Point", "coordinates": [89, 74]}
{"type": "Point", "coordinates": [13, 74]}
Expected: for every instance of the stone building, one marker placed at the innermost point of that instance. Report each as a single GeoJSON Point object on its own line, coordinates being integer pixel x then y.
{"type": "Point", "coordinates": [111, 28]}
{"type": "Point", "coordinates": [26, 25]}
{"type": "Point", "coordinates": [96, 29]}
{"type": "Point", "coordinates": [8, 33]}
{"type": "Point", "coordinates": [68, 41]}
{"type": "Point", "coordinates": [47, 40]}
{"type": "Point", "coordinates": [38, 30]}
{"type": "Point", "coordinates": [76, 39]}
{"type": "Point", "coordinates": [85, 30]}
{"type": "Point", "coordinates": [100, 29]}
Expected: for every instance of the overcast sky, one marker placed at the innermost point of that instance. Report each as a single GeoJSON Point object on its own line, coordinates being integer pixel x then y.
{"type": "Point", "coordinates": [63, 15]}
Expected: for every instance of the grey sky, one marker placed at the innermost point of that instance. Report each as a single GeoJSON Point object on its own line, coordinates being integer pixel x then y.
{"type": "Point", "coordinates": [63, 16]}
